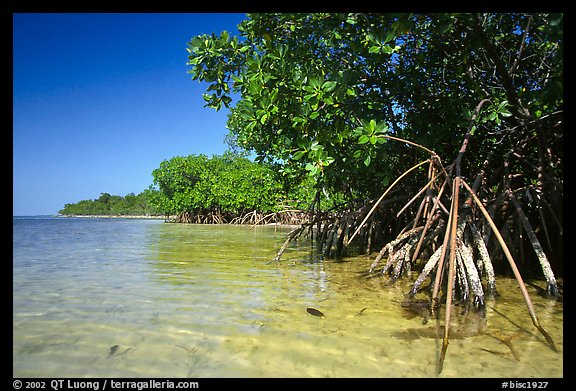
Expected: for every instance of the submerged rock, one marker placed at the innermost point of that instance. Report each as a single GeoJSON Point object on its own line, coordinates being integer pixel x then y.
{"type": "Point", "coordinates": [417, 308]}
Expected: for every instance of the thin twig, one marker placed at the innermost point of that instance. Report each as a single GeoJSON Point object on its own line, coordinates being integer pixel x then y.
{"type": "Point", "coordinates": [431, 152]}
{"type": "Point", "coordinates": [382, 197]}
{"type": "Point", "coordinates": [422, 190]}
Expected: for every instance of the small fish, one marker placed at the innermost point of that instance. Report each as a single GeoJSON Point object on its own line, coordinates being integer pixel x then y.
{"type": "Point", "coordinates": [362, 310]}
{"type": "Point", "coordinates": [315, 312]}
{"type": "Point", "coordinates": [113, 350]}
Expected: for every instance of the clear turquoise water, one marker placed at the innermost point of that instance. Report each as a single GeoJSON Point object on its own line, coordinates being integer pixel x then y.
{"type": "Point", "coordinates": [142, 298]}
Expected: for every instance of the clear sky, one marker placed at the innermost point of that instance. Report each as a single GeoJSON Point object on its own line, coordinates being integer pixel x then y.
{"type": "Point", "coordinates": [100, 100]}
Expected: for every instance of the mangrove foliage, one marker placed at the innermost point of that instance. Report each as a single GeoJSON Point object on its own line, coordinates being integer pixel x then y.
{"type": "Point", "coordinates": [228, 188]}
{"type": "Point", "coordinates": [112, 205]}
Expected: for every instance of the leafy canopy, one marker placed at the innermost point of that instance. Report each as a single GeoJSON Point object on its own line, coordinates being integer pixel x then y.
{"type": "Point", "coordinates": [318, 92]}
{"type": "Point", "coordinates": [226, 183]}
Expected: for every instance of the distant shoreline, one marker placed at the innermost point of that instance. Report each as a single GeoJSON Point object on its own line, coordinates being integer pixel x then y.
{"type": "Point", "coordinates": [149, 217]}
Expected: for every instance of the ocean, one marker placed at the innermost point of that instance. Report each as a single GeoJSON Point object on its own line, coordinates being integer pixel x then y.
{"type": "Point", "coordinates": [143, 298]}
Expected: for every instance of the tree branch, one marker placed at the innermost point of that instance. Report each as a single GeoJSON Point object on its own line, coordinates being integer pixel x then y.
{"type": "Point", "coordinates": [467, 135]}
{"type": "Point", "coordinates": [522, 46]}
{"type": "Point", "coordinates": [491, 50]}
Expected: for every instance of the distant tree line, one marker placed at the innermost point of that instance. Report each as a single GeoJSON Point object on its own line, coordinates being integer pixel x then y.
{"type": "Point", "coordinates": [113, 205]}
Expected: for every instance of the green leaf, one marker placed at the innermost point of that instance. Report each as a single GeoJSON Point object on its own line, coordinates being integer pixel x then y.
{"type": "Point", "coordinates": [381, 128]}
{"type": "Point", "coordinates": [298, 155]}
{"type": "Point", "coordinates": [502, 105]}
{"type": "Point", "coordinates": [328, 100]}
{"type": "Point", "coordinates": [351, 19]}
{"type": "Point", "coordinates": [387, 49]}
{"type": "Point", "coordinates": [375, 49]}
{"type": "Point", "coordinates": [372, 126]}
{"type": "Point", "coordinates": [314, 82]}
{"type": "Point", "coordinates": [224, 36]}
{"type": "Point", "coordinates": [363, 139]}
{"type": "Point", "coordinates": [329, 86]}
{"type": "Point", "coordinates": [385, 181]}
{"type": "Point", "coordinates": [307, 97]}
{"type": "Point", "coordinates": [367, 160]}
{"type": "Point", "coordinates": [329, 160]}
{"type": "Point", "coordinates": [311, 168]}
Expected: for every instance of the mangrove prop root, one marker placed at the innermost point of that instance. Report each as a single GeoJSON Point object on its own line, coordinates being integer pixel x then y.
{"type": "Point", "coordinates": [451, 271]}
{"type": "Point", "coordinates": [289, 216]}
{"type": "Point", "coordinates": [514, 269]}
{"type": "Point", "coordinates": [404, 257]}
{"type": "Point", "coordinates": [552, 287]}
{"type": "Point", "coordinates": [472, 274]}
{"type": "Point", "coordinates": [390, 245]}
{"type": "Point", "coordinates": [426, 271]}
{"type": "Point", "coordinates": [484, 259]}
{"type": "Point", "coordinates": [440, 268]}
{"type": "Point", "coordinates": [461, 277]}
{"type": "Point", "coordinates": [293, 234]}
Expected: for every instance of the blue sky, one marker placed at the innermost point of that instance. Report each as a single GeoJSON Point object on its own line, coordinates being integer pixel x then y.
{"type": "Point", "coordinates": [99, 100]}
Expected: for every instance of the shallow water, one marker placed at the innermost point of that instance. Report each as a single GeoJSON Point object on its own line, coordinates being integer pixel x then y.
{"type": "Point", "coordinates": [142, 298]}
